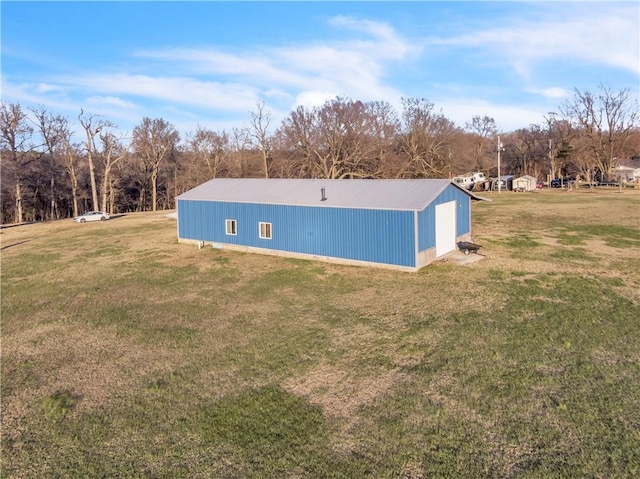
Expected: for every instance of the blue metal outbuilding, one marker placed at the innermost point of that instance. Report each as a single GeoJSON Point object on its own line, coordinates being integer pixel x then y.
{"type": "Point", "coordinates": [400, 224]}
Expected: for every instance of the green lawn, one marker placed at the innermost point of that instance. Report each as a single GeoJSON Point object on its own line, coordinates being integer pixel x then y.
{"type": "Point", "coordinates": [126, 354]}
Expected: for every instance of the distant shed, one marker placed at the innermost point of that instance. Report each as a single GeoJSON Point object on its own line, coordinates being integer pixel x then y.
{"type": "Point", "coordinates": [505, 182]}
{"type": "Point", "coordinates": [399, 224]}
{"type": "Point", "coordinates": [525, 183]}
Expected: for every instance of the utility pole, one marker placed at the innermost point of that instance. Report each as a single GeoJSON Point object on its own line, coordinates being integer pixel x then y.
{"type": "Point", "coordinates": [500, 148]}
{"type": "Point", "coordinates": [552, 167]}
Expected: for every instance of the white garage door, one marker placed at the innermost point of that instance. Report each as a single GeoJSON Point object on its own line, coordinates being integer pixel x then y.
{"type": "Point", "coordinates": [445, 228]}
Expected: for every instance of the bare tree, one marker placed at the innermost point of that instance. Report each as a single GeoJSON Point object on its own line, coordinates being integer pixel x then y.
{"type": "Point", "coordinates": [340, 139]}
{"type": "Point", "coordinates": [342, 133]}
{"type": "Point", "coordinates": [383, 129]}
{"type": "Point", "coordinates": [211, 149]}
{"type": "Point", "coordinates": [16, 138]}
{"type": "Point", "coordinates": [53, 130]}
{"type": "Point", "coordinates": [426, 140]}
{"type": "Point", "coordinates": [259, 131]}
{"type": "Point", "coordinates": [113, 152]}
{"type": "Point", "coordinates": [560, 138]}
{"type": "Point", "coordinates": [527, 152]}
{"type": "Point", "coordinates": [297, 136]}
{"type": "Point", "coordinates": [240, 142]}
{"type": "Point", "coordinates": [71, 154]}
{"type": "Point", "coordinates": [92, 127]}
{"type": "Point", "coordinates": [153, 142]}
{"type": "Point", "coordinates": [483, 129]}
{"type": "Point", "coordinates": [121, 177]}
{"type": "Point", "coordinates": [607, 120]}
{"type": "Point", "coordinates": [583, 162]}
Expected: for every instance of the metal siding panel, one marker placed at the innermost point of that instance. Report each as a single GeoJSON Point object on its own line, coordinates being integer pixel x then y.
{"type": "Point", "coordinates": [427, 228]}
{"type": "Point", "coordinates": [427, 222]}
{"type": "Point", "coordinates": [200, 220]}
{"type": "Point", "coordinates": [379, 236]}
{"type": "Point", "coordinates": [364, 235]}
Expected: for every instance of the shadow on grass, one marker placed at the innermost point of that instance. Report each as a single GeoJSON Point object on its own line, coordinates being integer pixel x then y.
{"type": "Point", "coordinates": [14, 244]}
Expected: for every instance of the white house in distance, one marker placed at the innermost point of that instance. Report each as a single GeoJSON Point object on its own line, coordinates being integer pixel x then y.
{"type": "Point", "coordinates": [628, 170]}
{"type": "Point", "coordinates": [398, 224]}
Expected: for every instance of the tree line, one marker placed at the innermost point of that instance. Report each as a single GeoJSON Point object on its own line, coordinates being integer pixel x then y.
{"type": "Point", "coordinates": [48, 172]}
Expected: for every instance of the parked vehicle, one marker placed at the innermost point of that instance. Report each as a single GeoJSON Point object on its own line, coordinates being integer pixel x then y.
{"type": "Point", "coordinates": [92, 216]}
{"type": "Point", "coordinates": [478, 177]}
{"type": "Point", "coordinates": [469, 180]}
{"type": "Point", "coordinates": [465, 182]}
{"type": "Point", "coordinates": [562, 182]}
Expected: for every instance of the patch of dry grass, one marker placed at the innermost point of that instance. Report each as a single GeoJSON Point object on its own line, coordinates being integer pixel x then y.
{"type": "Point", "coordinates": [525, 363]}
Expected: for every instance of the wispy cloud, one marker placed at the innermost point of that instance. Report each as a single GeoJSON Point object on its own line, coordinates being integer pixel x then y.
{"type": "Point", "coordinates": [260, 66]}
{"type": "Point", "coordinates": [52, 96]}
{"type": "Point", "coordinates": [235, 80]}
{"type": "Point", "coordinates": [347, 67]}
{"type": "Point", "coordinates": [59, 101]}
{"type": "Point", "coordinates": [46, 88]}
{"type": "Point", "coordinates": [180, 90]}
{"type": "Point", "coordinates": [600, 33]}
{"type": "Point", "coordinates": [385, 41]}
{"type": "Point", "coordinates": [313, 98]}
{"type": "Point", "coordinates": [551, 92]}
{"type": "Point", "coordinates": [507, 117]}
{"type": "Point", "coordinates": [100, 101]}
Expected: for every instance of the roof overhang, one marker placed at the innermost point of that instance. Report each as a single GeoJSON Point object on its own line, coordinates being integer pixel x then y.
{"type": "Point", "coordinates": [470, 193]}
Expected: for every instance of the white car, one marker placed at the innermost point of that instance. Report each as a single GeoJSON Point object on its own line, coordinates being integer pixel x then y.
{"type": "Point", "coordinates": [92, 216]}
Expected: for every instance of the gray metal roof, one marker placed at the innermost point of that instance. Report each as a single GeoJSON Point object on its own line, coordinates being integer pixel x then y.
{"type": "Point", "coordinates": [368, 194]}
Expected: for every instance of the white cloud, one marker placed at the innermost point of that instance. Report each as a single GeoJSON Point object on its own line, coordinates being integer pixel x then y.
{"type": "Point", "coordinates": [314, 98]}
{"type": "Point", "coordinates": [109, 100]}
{"type": "Point", "coordinates": [172, 90]}
{"type": "Point", "coordinates": [34, 94]}
{"type": "Point", "coordinates": [48, 88]}
{"type": "Point", "coordinates": [386, 42]}
{"type": "Point", "coordinates": [260, 67]}
{"type": "Point", "coordinates": [556, 92]}
{"type": "Point", "coordinates": [552, 92]}
{"type": "Point", "coordinates": [507, 117]}
{"type": "Point", "coordinates": [601, 33]}
{"type": "Point", "coordinates": [278, 94]}
{"type": "Point", "coordinates": [349, 68]}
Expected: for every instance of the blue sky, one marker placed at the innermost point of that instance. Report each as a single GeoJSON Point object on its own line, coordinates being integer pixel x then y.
{"type": "Point", "coordinates": [210, 63]}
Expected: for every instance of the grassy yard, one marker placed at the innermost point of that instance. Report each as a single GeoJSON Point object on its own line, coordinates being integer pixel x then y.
{"type": "Point", "coordinates": [126, 354]}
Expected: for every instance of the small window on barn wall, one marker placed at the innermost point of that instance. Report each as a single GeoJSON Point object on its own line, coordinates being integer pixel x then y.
{"type": "Point", "coordinates": [231, 227]}
{"type": "Point", "coordinates": [265, 230]}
